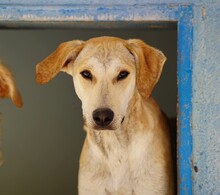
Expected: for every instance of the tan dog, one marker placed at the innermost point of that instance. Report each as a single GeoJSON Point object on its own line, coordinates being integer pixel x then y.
{"type": "Point", "coordinates": [8, 90]}
{"type": "Point", "coordinates": [127, 147]}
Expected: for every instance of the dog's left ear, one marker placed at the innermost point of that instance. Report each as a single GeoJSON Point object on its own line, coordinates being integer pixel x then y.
{"type": "Point", "coordinates": [8, 88]}
{"type": "Point", "coordinates": [58, 61]}
{"type": "Point", "coordinates": [149, 63]}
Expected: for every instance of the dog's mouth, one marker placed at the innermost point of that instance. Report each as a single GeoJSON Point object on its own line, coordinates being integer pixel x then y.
{"type": "Point", "coordinates": [100, 128]}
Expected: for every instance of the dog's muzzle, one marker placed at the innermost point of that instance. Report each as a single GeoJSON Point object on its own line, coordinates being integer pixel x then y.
{"type": "Point", "coordinates": [103, 117]}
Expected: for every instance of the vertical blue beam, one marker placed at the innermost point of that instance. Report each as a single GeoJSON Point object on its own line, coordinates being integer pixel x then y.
{"type": "Point", "coordinates": [184, 74]}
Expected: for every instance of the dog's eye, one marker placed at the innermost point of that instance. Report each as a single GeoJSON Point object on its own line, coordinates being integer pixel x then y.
{"type": "Point", "coordinates": [86, 74]}
{"type": "Point", "coordinates": [122, 75]}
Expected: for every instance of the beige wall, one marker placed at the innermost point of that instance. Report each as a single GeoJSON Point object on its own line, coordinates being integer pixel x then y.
{"type": "Point", "coordinates": [42, 141]}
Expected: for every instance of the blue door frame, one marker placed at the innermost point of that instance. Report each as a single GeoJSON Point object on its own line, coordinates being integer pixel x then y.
{"type": "Point", "coordinates": [187, 15]}
{"type": "Point", "coordinates": [184, 76]}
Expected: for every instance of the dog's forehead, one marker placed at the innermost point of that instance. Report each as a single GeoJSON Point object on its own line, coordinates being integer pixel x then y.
{"type": "Point", "coordinates": [106, 54]}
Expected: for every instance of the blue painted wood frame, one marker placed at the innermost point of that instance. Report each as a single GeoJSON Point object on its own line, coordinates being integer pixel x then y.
{"type": "Point", "coordinates": [184, 72]}
{"type": "Point", "coordinates": [92, 15]}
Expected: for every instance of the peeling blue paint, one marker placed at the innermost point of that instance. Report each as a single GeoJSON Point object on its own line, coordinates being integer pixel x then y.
{"type": "Point", "coordinates": [206, 105]}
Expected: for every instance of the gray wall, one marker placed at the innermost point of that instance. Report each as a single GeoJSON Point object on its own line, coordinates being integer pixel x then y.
{"type": "Point", "coordinates": [42, 141]}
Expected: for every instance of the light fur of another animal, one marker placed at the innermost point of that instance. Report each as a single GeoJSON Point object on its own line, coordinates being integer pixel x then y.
{"type": "Point", "coordinates": [8, 89]}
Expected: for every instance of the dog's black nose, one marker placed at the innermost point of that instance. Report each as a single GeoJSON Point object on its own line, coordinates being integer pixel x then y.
{"type": "Point", "coordinates": [103, 116]}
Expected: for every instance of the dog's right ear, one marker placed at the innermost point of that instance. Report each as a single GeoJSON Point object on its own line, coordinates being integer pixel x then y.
{"type": "Point", "coordinates": [58, 60]}
{"type": "Point", "coordinates": [149, 62]}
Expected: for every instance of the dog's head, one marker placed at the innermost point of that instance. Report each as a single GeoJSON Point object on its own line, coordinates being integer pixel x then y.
{"type": "Point", "coordinates": [106, 72]}
{"type": "Point", "coordinates": [8, 88]}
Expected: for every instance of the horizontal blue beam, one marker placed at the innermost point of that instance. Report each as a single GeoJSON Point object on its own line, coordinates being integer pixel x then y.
{"type": "Point", "coordinates": [150, 12]}
{"type": "Point", "coordinates": [92, 2]}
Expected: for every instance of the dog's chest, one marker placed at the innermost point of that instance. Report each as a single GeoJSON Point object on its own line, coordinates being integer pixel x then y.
{"type": "Point", "coordinates": [116, 161]}
{"type": "Point", "coordinates": [120, 163]}
{"type": "Point", "coordinates": [121, 168]}
{"type": "Point", "coordinates": [118, 169]}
